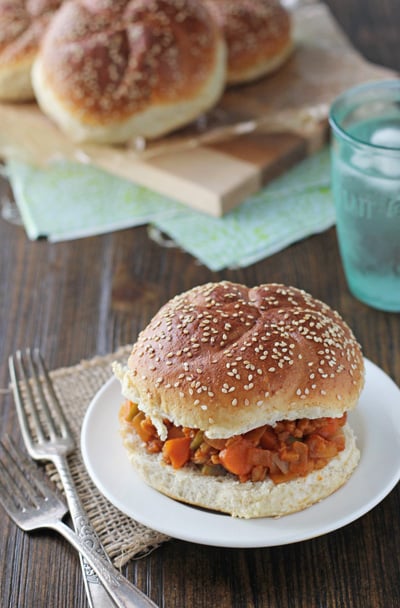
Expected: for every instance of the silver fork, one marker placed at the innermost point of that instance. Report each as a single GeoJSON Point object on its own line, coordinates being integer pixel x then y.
{"type": "Point", "coordinates": [47, 436]}
{"type": "Point", "coordinates": [32, 504]}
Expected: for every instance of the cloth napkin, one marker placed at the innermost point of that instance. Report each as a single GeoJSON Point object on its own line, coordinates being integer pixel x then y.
{"type": "Point", "coordinates": [70, 200]}
{"type": "Point", "coordinates": [123, 538]}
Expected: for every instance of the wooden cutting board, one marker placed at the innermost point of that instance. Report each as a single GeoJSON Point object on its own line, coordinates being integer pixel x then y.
{"type": "Point", "coordinates": [209, 166]}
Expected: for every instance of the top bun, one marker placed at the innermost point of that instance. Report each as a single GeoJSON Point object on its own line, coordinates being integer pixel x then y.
{"type": "Point", "coordinates": [225, 358]}
{"type": "Point", "coordinates": [257, 33]}
{"type": "Point", "coordinates": [112, 70]}
{"type": "Point", "coordinates": [22, 26]}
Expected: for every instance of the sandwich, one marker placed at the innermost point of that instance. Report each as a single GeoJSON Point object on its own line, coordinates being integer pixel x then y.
{"type": "Point", "coordinates": [236, 399]}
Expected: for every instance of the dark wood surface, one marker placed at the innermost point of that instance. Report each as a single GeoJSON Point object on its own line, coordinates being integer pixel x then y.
{"type": "Point", "coordinates": [83, 298]}
{"type": "Point", "coordinates": [373, 26]}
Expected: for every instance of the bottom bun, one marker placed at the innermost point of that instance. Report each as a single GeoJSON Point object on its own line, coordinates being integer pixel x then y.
{"type": "Point", "coordinates": [248, 499]}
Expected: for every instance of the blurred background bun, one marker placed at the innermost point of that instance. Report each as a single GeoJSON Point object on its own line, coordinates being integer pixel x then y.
{"type": "Point", "coordinates": [111, 70]}
{"type": "Point", "coordinates": [257, 33]}
{"type": "Point", "coordinates": [22, 25]}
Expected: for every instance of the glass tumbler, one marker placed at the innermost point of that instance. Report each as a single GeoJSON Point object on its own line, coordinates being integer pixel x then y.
{"type": "Point", "coordinates": [365, 154]}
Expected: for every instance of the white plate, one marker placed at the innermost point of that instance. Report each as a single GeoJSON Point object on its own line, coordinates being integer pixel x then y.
{"type": "Point", "coordinates": [376, 422]}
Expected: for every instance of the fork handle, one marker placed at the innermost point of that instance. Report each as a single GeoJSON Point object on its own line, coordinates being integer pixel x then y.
{"type": "Point", "coordinates": [96, 594]}
{"type": "Point", "coordinates": [124, 593]}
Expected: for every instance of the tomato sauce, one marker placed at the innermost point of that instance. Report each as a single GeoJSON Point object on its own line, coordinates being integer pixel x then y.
{"type": "Point", "coordinates": [282, 452]}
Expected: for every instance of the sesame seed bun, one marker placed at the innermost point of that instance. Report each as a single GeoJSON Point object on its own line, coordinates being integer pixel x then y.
{"type": "Point", "coordinates": [226, 358]}
{"type": "Point", "coordinates": [22, 26]}
{"type": "Point", "coordinates": [246, 500]}
{"type": "Point", "coordinates": [258, 36]}
{"type": "Point", "coordinates": [112, 70]}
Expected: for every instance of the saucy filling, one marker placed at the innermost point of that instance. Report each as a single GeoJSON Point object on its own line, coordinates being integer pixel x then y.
{"type": "Point", "coordinates": [289, 449]}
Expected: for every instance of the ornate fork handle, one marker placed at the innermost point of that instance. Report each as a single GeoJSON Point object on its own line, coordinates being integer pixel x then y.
{"type": "Point", "coordinates": [124, 594]}
{"type": "Point", "coordinates": [84, 529]}
{"type": "Point", "coordinates": [83, 525]}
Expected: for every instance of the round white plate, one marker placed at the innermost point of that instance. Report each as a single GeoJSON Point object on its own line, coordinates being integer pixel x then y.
{"type": "Point", "coordinates": [376, 422]}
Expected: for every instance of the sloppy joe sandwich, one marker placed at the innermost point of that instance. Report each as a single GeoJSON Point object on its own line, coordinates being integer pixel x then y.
{"type": "Point", "coordinates": [236, 399]}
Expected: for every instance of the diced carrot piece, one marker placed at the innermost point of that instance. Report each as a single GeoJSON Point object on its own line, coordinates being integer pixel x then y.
{"type": "Point", "coordinates": [235, 457]}
{"type": "Point", "coordinates": [302, 465]}
{"type": "Point", "coordinates": [306, 426]}
{"type": "Point", "coordinates": [143, 429]}
{"type": "Point", "coordinates": [260, 457]}
{"type": "Point", "coordinates": [128, 410]}
{"type": "Point", "coordinates": [282, 477]}
{"type": "Point", "coordinates": [177, 451]}
{"type": "Point", "coordinates": [340, 441]}
{"type": "Point", "coordinates": [269, 440]}
{"type": "Point", "coordinates": [329, 427]}
{"type": "Point", "coordinates": [287, 454]}
{"type": "Point", "coordinates": [258, 473]}
{"type": "Point", "coordinates": [154, 446]}
{"type": "Point", "coordinates": [319, 447]}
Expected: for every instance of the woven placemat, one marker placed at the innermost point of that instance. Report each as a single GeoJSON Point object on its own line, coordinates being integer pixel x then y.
{"type": "Point", "coordinates": [122, 537]}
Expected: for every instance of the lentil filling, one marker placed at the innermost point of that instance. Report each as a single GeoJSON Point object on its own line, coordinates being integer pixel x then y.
{"type": "Point", "coordinates": [282, 452]}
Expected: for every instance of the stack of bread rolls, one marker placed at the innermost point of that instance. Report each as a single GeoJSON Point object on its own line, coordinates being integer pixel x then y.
{"type": "Point", "coordinates": [107, 71]}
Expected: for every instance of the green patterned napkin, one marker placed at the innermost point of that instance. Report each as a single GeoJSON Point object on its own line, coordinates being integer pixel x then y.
{"type": "Point", "coordinates": [69, 200]}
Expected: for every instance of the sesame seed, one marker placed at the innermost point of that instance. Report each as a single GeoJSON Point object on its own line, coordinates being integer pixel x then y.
{"type": "Point", "coordinates": [190, 337]}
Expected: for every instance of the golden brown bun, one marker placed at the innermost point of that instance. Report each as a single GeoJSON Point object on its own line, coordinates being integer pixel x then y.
{"type": "Point", "coordinates": [22, 26]}
{"type": "Point", "coordinates": [226, 358]}
{"type": "Point", "coordinates": [249, 499]}
{"type": "Point", "coordinates": [111, 70]}
{"type": "Point", "coordinates": [257, 33]}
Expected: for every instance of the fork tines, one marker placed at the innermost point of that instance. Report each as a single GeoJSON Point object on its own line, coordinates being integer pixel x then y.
{"type": "Point", "coordinates": [22, 484]}
{"type": "Point", "coordinates": [34, 395]}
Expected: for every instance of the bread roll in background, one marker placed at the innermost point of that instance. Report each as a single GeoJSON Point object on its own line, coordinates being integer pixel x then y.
{"type": "Point", "coordinates": [229, 363]}
{"type": "Point", "coordinates": [258, 36]}
{"type": "Point", "coordinates": [111, 70]}
{"type": "Point", "coordinates": [22, 26]}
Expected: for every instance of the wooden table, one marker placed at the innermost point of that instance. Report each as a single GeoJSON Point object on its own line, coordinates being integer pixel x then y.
{"type": "Point", "coordinates": [120, 281]}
